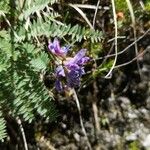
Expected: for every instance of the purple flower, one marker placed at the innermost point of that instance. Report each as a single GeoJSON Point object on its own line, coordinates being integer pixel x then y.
{"type": "Point", "coordinates": [73, 75]}
{"type": "Point", "coordinates": [71, 69]}
{"type": "Point", "coordinates": [60, 71]}
{"type": "Point", "coordinates": [83, 60]}
{"type": "Point", "coordinates": [58, 85]}
{"type": "Point", "coordinates": [73, 78]}
{"type": "Point", "coordinates": [79, 59]}
{"type": "Point", "coordinates": [55, 48]}
{"type": "Point", "coordinates": [80, 55]}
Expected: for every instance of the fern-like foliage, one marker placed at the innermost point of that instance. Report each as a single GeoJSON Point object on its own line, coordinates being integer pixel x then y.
{"type": "Point", "coordinates": [48, 25]}
{"type": "Point", "coordinates": [2, 127]}
{"type": "Point", "coordinates": [24, 57]}
{"type": "Point", "coordinates": [32, 7]}
{"type": "Point", "coordinates": [52, 29]}
{"type": "Point", "coordinates": [22, 91]}
{"type": "Point", "coordinates": [4, 6]}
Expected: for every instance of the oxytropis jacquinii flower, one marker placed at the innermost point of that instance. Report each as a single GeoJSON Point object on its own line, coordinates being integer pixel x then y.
{"type": "Point", "coordinates": [69, 70]}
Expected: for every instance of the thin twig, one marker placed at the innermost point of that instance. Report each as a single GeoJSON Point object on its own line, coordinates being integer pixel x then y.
{"type": "Point", "coordinates": [82, 14]}
{"type": "Point", "coordinates": [121, 52]}
{"type": "Point", "coordinates": [80, 117]}
{"type": "Point", "coordinates": [94, 97]}
{"type": "Point", "coordinates": [132, 60]}
{"type": "Point", "coordinates": [127, 63]}
{"type": "Point", "coordinates": [118, 37]}
{"type": "Point", "coordinates": [87, 6]}
{"type": "Point", "coordinates": [134, 32]}
{"type": "Point", "coordinates": [23, 133]}
{"type": "Point", "coordinates": [124, 64]}
{"type": "Point", "coordinates": [142, 4]}
{"type": "Point", "coordinates": [95, 13]}
{"type": "Point", "coordinates": [111, 49]}
{"type": "Point", "coordinates": [95, 108]}
{"type": "Point", "coordinates": [116, 33]}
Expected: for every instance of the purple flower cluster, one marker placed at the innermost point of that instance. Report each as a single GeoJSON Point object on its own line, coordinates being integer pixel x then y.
{"type": "Point", "coordinates": [70, 68]}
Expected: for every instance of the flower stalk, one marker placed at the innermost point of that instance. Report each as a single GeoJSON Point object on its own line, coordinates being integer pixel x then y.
{"type": "Point", "coordinates": [80, 117]}
{"type": "Point", "coordinates": [68, 73]}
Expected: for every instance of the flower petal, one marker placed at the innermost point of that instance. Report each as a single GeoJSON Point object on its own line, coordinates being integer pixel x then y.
{"type": "Point", "coordinates": [56, 49]}
{"type": "Point", "coordinates": [73, 78]}
{"type": "Point", "coordinates": [82, 71]}
{"type": "Point", "coordinates": [83, 60]}
{"type": "Point", "coordinates": [65, 49]}
{"type": "Point", "coordinates": [55, 46]}
{"type": "Point", "coordinates": [71, 66]}
{"type": "Point", "coordinates": [79, 55]}
{"type": "Point", "coordinates": [58, 86]}
{"type": "Point", "coordinates": [60, 71]}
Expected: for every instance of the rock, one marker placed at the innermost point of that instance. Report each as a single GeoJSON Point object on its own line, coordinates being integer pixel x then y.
{"type": "Point", "coordinates": [148, 102]}
{"type": "Point", "coordinates": [132, 115]}
{"type": "Point", "coordinates": [124, 102]}
{"type": "Point", "coordinates": [131, 137]}
{"type": "Point", "coordinates": [76, 137]}
{"type": "Point", "coordinates": [146, 142]}
{"type": "Point", "coordinates": [63, 125]}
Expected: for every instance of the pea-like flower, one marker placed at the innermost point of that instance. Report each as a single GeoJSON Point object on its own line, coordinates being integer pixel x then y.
{"type": "Point", "coordinates": [71, 69]}
{"type": "Point", "coordinates": [58, 85]}
{"type": "Point", "coordinates": [56, 49]}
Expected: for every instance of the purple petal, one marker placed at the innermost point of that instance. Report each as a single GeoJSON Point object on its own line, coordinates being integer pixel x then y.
{"type": "Point", "coordinates": [65, 49]}
{"type": "Point", "coordinates": [72, 66]}
{"type": "Point", "coordinates": [58, 86]}
{"type": "Point", "coordinates": [55, 48]}
{"type": "Point", "coordinates": [78, 59]}
{"type": "Point", "coordinates": [83, 61]}
{"type": "Point", "coordinates": [56, 45]}
{"type": "Point", "coordinates": [73, 78]}
{"type": "Point", "coordinates": [51, 48]}
{"type": "Point", "coordinates": [82, 71]}
{"type": "Point", "coordinates": [79, 55]}
{"type": "Point", "coordinates": [60, 71]}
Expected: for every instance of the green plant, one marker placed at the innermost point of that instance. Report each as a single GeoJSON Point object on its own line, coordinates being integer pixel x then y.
{"type": "Point", "coordinates": [25, 29]}
{"type": "Point", "coordinates": [147, 5]}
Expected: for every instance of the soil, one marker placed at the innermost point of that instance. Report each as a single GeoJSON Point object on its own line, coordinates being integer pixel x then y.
{"type": "Point", "coordinates": [123, 104]}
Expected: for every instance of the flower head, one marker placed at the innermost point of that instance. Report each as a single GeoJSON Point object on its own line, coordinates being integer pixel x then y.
{"type": "Point", "coordinates": [71, 69]}
{"type": "Point", "coordinates": [60, 71]}
{"type": "Point", "coordinates": [55, 48]}
{"type": "Point", "coordinates": [73, 78]}
{"type": "Point", "coordinates": [58, 85]}
{"type": "Point", "coordinates": [79, 58]}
